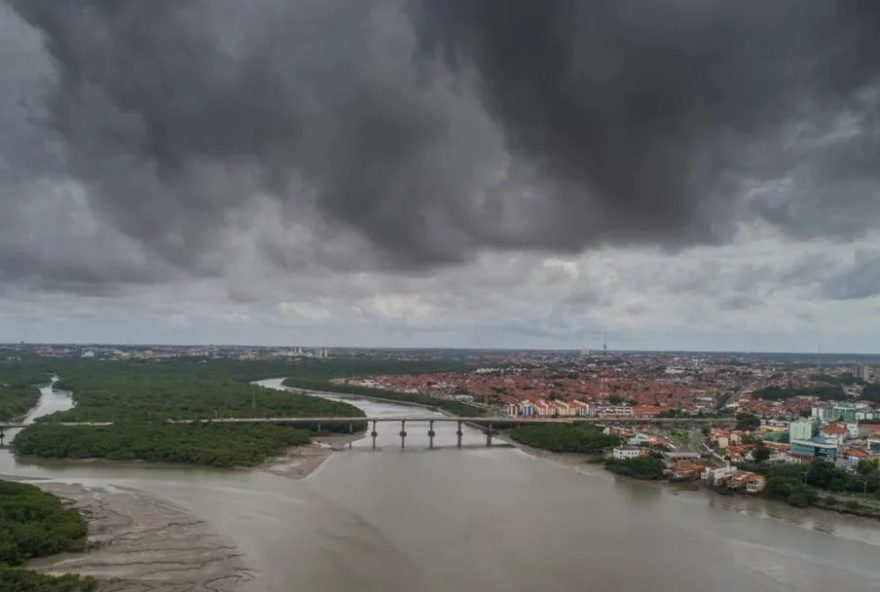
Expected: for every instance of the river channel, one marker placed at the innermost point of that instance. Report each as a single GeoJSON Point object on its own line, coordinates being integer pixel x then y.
{"type": "Point", "coordinates": [492, 519]}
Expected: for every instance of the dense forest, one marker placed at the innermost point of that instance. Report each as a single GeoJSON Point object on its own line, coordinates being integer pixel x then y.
{"type": "Point", "coordinates": [556, 437]}
{"type": "Point", "coordinates": [823, 392]}
{"type": "Point", "coordinates": [649, 468]}
{"type": "Point", "coordinates": [219, 445]}
{"type": "Point", "coordinates": [871, 392]}
{"type": "Point", "coordinates": [34, 523]}
{"type": "Point", "coordinates": [845, 379]}
{"type": "Point", "coordinates": [139, 397]}
{"type": "Point", "coordinates": [448, 405]}
{"type": "Point", "coordinates": [801, 485]}
{"type": "Point", "coordinates": [19, 390]}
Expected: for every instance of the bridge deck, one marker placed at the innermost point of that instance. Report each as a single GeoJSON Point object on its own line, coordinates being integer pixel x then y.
{"type": "Point", "coordinates": [418, 419]}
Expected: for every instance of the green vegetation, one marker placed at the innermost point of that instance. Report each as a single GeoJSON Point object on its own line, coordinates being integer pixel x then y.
{"type": "Point", "coordinates": [576, 437]}
{"type": "Point", "coordinates": [844, 380]}
{"type": "Point", "coordinates": [448, 405]}
{"type": "Point", "coordinates": [137, 392]}
{"type": "Point", "coordinates": [747, 422]}
{"type": "Point", "coordinates": [761, 453]}
{"type": "Point", "coordinates": [19, 580]}
{"type": "Point", "coordinates": [648, 468]}
{"type": "Point", "coordinates": [34, 523]}
{"type": "Point", "coordinates": [219, 445]}
{"type": "Point", "coordinates": [800, 485]}
{"type": "Point", "coordinates": [824, 392]}
{"type": "Point", "coordinates": [18, 390]}
{"type": "Point", "coordinates": [16, 401]}
{"type": "Point", "coordinates": [139, 397]}
{"type": "Point", "coordinates": [871, 392]}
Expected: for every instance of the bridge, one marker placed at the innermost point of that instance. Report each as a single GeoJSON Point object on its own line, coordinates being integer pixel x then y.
{"type": "Point", "coordinates": [487, 424]}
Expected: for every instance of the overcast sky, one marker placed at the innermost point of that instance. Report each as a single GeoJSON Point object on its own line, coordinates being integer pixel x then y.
{"type": "Point", "coordinates": [678, 174]}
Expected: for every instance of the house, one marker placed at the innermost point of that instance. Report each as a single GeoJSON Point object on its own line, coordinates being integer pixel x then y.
{"type": "Point", "coordinates": [639, 439]}
{"type": "Point", "coordinates": [873, 443]}
{"type": "Point", "coordinates": [614, 411]}
{"type": "Point", "coordinates": [866, 428]}
{"type": "Point", "coordinates": [834, 433]}
{"type": "Point", "coordinates": [628, 452]}
{"type": "Point", "coordinates": [687, 470]}
{"type": "Point", "coordinates": [716, 477]}
{"type": "Point", "coordinates": [650, 410]}
{"type": "Point", "coordinates": [739, 453]}
{"type": "Point", "coordinates": [672, 457]}
{"type": "Point", "coordinates": [735, 480]}
{"type": "Point", "coordinates": [850, 456]}
{"type": "Point", "coordinates": [721, 437]}
{"type": "Point", "coordinates": [543, 409]}
{"type": "Point", "coordinates": [750, 482]}
{"type": "Point", "coordinates": [581, 409]}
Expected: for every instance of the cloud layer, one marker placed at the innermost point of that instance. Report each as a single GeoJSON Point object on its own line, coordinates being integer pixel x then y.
{"type": "Point", "coordinates": [229, 142]}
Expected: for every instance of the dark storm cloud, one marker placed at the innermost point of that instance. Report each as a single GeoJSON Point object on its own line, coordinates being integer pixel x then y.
{"type": "Point", "coordinates": [646, 117]}
{"type": "Point", "coordinates": [432, 129]}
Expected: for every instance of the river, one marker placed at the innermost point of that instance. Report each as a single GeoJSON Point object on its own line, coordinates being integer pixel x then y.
{"type": "Point", "coordinates": [493, 519]}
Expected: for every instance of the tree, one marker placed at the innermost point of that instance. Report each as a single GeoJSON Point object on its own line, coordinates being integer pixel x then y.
{"type": "Point", "coordinates": [615, 399]}
{"type": "Point", "coordinates": [747, 422]}
{"type": "Point", "coordinates": [837, 485]}
{"type": "Point", "coordinates": [798, 498]}
{"type": "Point", "coordinates": [760, 453]}
{"type": "Point", "coordinates": [780, 487]}
{"type": "Point", "coordinates": [820, 473]}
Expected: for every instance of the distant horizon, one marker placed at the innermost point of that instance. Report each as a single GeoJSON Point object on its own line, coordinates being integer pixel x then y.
{"type": "Point", "coordinates": [435, 348]}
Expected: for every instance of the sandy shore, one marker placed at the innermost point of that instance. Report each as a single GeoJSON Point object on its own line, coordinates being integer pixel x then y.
{"type": "Point", "coordinates": [144, 544]}
{"type": "Point", "coordinates": [299, 461]}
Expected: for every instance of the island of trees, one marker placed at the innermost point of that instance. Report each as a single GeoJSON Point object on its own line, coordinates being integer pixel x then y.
{"type": "Point", "coordinates": [139, 399]}
{"type": "Point", "coordinates": [34, 523]}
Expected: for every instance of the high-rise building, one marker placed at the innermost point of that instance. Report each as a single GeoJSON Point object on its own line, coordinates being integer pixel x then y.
{"type": "Point", "coordinates": [801, 429]}
{"type": "Point", "coordinates": [863, 371]}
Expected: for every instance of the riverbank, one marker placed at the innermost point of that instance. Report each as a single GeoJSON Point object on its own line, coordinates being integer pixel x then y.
{"type": "Point", "coordinates": [300, 461]}
{"type": "Point", "coordinates": [141, 543]}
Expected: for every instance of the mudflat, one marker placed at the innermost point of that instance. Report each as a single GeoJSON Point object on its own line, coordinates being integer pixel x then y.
{"type": "Point", "coordinates": [142, 543]}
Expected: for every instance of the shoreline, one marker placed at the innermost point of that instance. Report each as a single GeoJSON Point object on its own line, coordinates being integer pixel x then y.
{"type": "Point", "coordinates": [298, 462]}
{"type": "Point", "coordinates": [579, 460]}
{"type": "Point", "coordinates": [139, 542]}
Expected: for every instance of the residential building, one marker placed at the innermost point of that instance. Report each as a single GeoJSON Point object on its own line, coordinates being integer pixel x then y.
{"type": "Point", "coordinates": [834, 433]}
{"type": "Point", "coordinates": [627, 452]}
{"type": "Point", "coordinates": [863, 371]}
{"type": "Point", "coordinates": [802, 429]}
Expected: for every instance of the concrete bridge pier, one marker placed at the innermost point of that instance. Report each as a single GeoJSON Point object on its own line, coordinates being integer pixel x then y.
{"type": "Point", "coordinates": [350, 432]}
{"type": "Point", "coordinates": [431, 434]}
{"type": "Point", "coordinates": [402, 434]}
{"type": "Point", "coordinates": [373, 434]}
{"type": "Point", "coordinates": [489, 435]}
{"type": "Point", "coordinates": [459, 433]}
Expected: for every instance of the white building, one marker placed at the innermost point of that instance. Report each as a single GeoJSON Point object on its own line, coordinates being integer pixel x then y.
{"type": "Point", "coordinates": [716, 476]}
{"type": "Point", "coordinates": [626, 452]}
{"type": "Point", "coordinates": [802, 429]}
